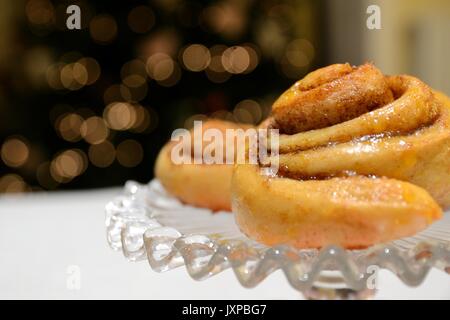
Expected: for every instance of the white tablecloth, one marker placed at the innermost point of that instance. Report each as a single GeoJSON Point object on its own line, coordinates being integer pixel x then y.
{"type": "Point", "coordinates": [48, 238]}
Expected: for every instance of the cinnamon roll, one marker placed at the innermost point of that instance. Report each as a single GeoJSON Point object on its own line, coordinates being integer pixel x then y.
{"type": "Point", "coordinates": [202, 184]}
{"type": "Point", "coordinates": [363, 158]}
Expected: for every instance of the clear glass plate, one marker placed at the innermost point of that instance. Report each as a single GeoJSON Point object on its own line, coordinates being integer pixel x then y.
{"type": "Point", "coordinates": [145, 222]}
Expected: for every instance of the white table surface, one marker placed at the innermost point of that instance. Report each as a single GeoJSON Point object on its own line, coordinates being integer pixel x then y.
{"type": "Point", "coordinates": [43, 234]}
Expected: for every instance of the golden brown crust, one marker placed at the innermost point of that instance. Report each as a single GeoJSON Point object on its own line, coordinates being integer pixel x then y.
{"type": "Point", "coordinates": [353, 212]}
{"type": "Point", "coordinates": [331, 95]}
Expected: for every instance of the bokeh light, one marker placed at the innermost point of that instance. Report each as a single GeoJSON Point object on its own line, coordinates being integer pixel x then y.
{"type": "Point", "coordinates": [94, 130]}
{"type": "Point", "coordinates": [196, 57]}
{"type": "Point", "coordinates": [299, 52]}
{"type": "Point", "coordinates": [74, 76]}
{"type": "Point", "coordinates": [53, 75]}
{"type": "Point", "coordinates": [68, 126]}
{"type": "Point", "coordinates": [143, 119]}
{"type": "Point", "coordinates": [72, 72]}
{"type": "Point", "coordinates": [15, 151]}
{"type": "Point", "coordinates": [253, 54]}
{"type": "Point", "coordinates": [165, 41]}
{"type": "Point", "coordinates": [225, 18]}
{"type": "Point", "coordinates": [297, 58]}
{"type": "Point", "coordinates": [92, 68]}
{"type": "Point", "coordinates": [68, 165]}
{"type": "Point", "coordinates": [102, 155]}
{"type": "Point", "coordinates": [120, 115]}
{"type": "Point", "coordinates": [162, 68]}
{"type": "Point", "coordinates": [236, 59]}
{"type": "Point", "coordinates": [134, 81]}
{"type": "Point", "coordinates": [13, 183]}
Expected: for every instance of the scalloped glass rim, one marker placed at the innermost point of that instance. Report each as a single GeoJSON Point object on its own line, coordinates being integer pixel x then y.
{"type": "Point", "coordinates": [145, 222]}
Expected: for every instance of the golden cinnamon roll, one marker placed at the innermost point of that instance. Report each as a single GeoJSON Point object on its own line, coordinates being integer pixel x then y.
{"type": "Point", "coordinates": [202, 185]}
{"type": "Point", "coordinates": [363, 159]}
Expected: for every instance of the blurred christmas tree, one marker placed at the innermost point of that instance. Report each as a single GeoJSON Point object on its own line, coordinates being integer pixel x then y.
{"type": "Point", "coordinates": [91, 107]}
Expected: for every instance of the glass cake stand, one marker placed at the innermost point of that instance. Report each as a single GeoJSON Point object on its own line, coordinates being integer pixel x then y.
{"type": "Point", "coordinates": [146, 223]}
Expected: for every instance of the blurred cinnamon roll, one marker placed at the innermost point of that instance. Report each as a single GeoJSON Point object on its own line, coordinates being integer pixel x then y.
{"type": "Point", "coordinates": [199, 184]}
{"type": "Point", "coordinates": [363, 159]}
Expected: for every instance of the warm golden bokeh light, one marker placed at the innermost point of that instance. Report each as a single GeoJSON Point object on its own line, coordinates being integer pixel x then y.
{"type": "Point", "coordinates": [141, 19]}
{"type": "Point", "coordinates": [92, 68]}
{"type": "Point", "coordinates": [236, 59]}
{"type": "Point", "coordinates": [68, 126]}
{"type": "Point", "coordinates": [13, 183]}
{"type": "Point", "coordinates": [74, 76]}
{"type": "Point", "coordinates": [103, 28]}
{"type": "Point", "coordinates": [174, 77]}
{"type": "Point", "coordinates": [15, 151]}
{"type": "Point", "coordinates": [53, 75]}
{"type": "Point", "coordinates": [129, 153]}
{"type": "Point", "coordinates": [299, 52]}
{"type": "Point", "coordinates": [102, 155]}
{"type": "Point", "coordinates": [134, 81]}
{"type": "Point", "coordinates": [80, 73]}
{"type": "Point", "coordinates": [196, 57]}
{"type": "Point", "coordinates": [225, 18]}
{"type": "Point", "coordinates": [165, 41]}
{"type": "Point", "coordinates": [120, 115]}
{"type": "Point", "coordinates": [162, 68]}
{"type": "Point", "coordinates": [297, 58]}
{"type": "Point", "coordinates": [143, 119]}
{"type": "Point", "coordinates": [94, 130]}
{"type": "Point", "coordinates": [254, 57]}
{"type": "Point", "coordinates": [68, 165]}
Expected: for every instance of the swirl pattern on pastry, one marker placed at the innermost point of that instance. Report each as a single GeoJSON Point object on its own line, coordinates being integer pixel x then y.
{"type": "Point", "coordinates": [373, 170]}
